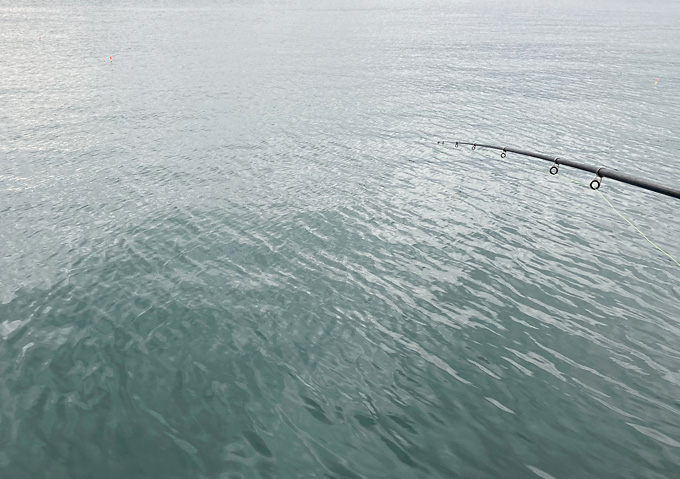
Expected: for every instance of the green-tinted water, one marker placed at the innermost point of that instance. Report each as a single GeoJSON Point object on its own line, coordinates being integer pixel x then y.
{"type": "Point", "coordinates": [236, 250]}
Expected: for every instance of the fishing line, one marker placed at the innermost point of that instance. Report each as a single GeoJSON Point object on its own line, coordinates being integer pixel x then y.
{"type": "Point", "coordinates": [627, 220]}
{"type": "Point", "coordinates": [639, 231]}
{"type": "Point", "coordinates": [595, 184]}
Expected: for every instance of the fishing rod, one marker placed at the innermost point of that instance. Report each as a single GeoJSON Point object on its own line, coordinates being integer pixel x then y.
{"type": "Point", "coordinates": [600, 173]}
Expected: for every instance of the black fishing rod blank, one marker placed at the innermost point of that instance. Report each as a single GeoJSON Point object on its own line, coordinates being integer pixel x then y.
{"type": "Point", "coordinates": [600, 173]}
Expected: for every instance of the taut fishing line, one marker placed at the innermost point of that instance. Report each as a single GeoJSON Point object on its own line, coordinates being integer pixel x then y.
{"type": "Point", "coordinates": [595, 184]}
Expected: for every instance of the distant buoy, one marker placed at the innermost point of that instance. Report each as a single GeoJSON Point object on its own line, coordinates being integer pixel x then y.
{"type": "Point", "coordinates": [656, 81]}
{"type": "Point", "coordinates": [111, 59]}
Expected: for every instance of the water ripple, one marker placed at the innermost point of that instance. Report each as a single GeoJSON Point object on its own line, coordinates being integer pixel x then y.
{"type": "Point", "coordinates": [237, 250]}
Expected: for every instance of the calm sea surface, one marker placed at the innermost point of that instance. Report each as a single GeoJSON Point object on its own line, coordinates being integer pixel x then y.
{"type": "Point", "coordinates": [236, 250]}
